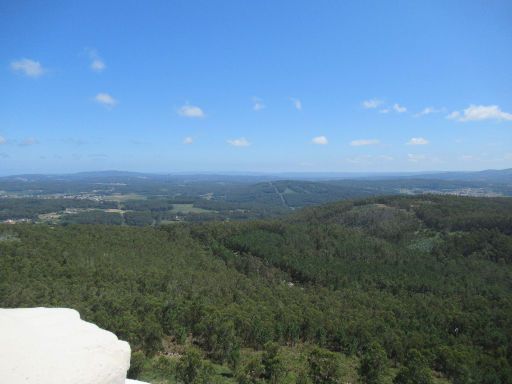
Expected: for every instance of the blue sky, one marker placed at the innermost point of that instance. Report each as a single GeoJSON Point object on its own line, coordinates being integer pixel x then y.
{"type": "Point", "coordinates": [270, 86]}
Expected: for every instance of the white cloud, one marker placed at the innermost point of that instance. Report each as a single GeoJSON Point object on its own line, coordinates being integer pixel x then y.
{"type": "Point", "coordinates": [97, 63]}
{"type": "Point", "coordinates": [480, 112]}
{"type": "Point", "coordinates": [414, 158]}
{"type": "Point", "coordinates": [428, 111]}
{"type": "Point", "coordinates": [191, 111]}
{"type": "Point", "coordinates": [2, 140]}
{"type": "Point", "coordinates": [28, 67]}
{"type": "Point", "coordinates": [371, 103]}
{"type": "Point", "coordinates": [399, 108]}
{"type": "Point", "coordinates": [358, 143]}
{"type": "Point", "coordinates": [321, 140]}
{"type": "Point", "coordinates": [418, 141]}
{"type": "Point", "coordinates": [455, 115]}
{"type": "Point", "coordinates": [297, 104]}
{"type": "Point", "coordinates": [376, 103]}
{"type": "Point", "coordinates": [188, 140]}
{"type": "Point", "coordinates": [29, 141]}
{"type": "Point", "coordinates": [257, 104]}
{"type": "Point", "coordinates": [106, 100]}
{"type": "Point", "coordinates": [240, 142]}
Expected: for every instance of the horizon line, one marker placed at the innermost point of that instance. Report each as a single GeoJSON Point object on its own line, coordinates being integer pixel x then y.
{"type": "Point", "coordinates": [250, 173]}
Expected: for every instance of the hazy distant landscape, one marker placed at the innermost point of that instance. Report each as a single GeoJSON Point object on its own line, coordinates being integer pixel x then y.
{"type": "Point", "coordinates": [151, 199]}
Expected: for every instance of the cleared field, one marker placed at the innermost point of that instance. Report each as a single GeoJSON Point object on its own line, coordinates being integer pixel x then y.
{"type": "Point", "coordinates": [51, 217]}
{"type": "Point", "coordinates": [114, 210]}
{"type": "Point", "coordinates": [188, 208]}
{"type": "Point", "coordinates": [288, 191]}
{"type": "Point", "coordinates": [128, 196]}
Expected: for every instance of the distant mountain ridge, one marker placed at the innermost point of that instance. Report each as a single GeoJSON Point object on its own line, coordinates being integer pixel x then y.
{"type": "Point", "coordinates": [488, 175]}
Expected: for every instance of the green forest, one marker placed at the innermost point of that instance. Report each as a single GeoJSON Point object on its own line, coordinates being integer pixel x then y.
{"type": "Point", "coordinates": [402, 290]}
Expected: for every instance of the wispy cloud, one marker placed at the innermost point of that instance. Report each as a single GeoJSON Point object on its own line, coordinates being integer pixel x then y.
{"type": "Point", "coordinates": [240, 142]}
{"type": "Point", "coordinates": [362, 159]}
{"type": "Point", "coordinates": [257, 104]}
{"type": "Point", "coordinates": [191, 111]}
{"type": "Point", "coordinates": [3, 140]}
{"type": "Point", "coordinates": [480, 112]}
{"type": "Point", "coordinates": [75, 141]}
{"type": "Point", "coordinates": [415, 158]}
{"type": "Point", "coordinates": [383, 108]}
{"type": "Point", "coordinates": [139, 142]}
{"type": "Point", "coordinates": [399, 108]}
{"type": "Point", "coordinates": [455, 115]}
{"type": "Point", "coordinates": [188, 140]}
{"type": "Point", "coordinates": [358, 143]}
{"type": "Point", "coordinates": [428, 111]}
{"type": "Point", "coordinates": [297, 103]}
{"type": "Point", "coordinates": [106, 99]}
{"type": "Point", "coordinates": [320, 140]}
{"type": "Point", "coordinates": [29, 141]}
{"type": "Point", "coordinates": [418, 141]}
{"type": "Point", "coordinates": [28, 67]}
{"type": "Point", "coordinates": [97, 63]}
{"type": "Point", "coordinates": [425, 111]}
{"type": "Point", "coordinates": [468, 157]}
{"type": "Point", "coordinates": [369, 159]}
{"type": "Point", "coordinates": [371, 103]}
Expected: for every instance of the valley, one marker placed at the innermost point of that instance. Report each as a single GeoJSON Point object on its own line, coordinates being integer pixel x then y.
{"type": "Point", "coordinates": [394, 278]}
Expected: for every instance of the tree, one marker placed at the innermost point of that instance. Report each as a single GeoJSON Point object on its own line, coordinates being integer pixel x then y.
{"type": "Point", "coordinates": [192, 370]}
{"type": "Point", "coordinates": [302, 377]}
{"type": "Point", "coordinates": [220, 340]}
{"type": "Point", "coordinates": [455, 362]}
{"type": "Point", "coordinates": [324, 367]}
{"type": "Point", "coordinates": [273, 366]}
{"type": "Point", "coordinates": [152, 337]}
{"type": "Point", "coordinates": [252, 372]}
{"type": "Point", "coordinates": [136, 364]}
{"type": "Point", "coordinates": [414, 371]}
{"type": "Point", "coordinates": [373, 364]}
{"type": "Point", "coordinates": [206, 374]}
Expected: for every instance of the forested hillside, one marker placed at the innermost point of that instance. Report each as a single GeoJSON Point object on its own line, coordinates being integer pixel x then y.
{"type": "Point", "coordinates": [384, 290]}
